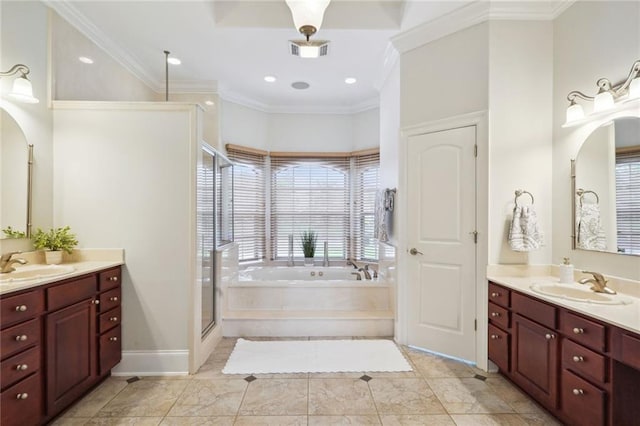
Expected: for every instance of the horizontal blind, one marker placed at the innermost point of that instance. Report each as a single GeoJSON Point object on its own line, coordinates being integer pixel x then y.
{"type": "Point", "coordinates": [249, 203]}
{"type": "Point", "coordinates": [628, 202]}
{"type": "Point", "coordinates": [366, 175]}
{"type": "Point", "coordinates": [310, 194]}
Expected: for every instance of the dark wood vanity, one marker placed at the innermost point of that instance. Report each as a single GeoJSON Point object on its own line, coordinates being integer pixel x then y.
{"type": "Point", "coordinates": [58, 341]}
{"type": "Point", "coordinates": [584, 371]}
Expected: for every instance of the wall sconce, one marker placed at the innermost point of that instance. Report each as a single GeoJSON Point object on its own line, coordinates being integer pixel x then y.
{"type": "Point", "coordinates": [607, 95]}
{"type": "Point", "coordinates": [22, 89]}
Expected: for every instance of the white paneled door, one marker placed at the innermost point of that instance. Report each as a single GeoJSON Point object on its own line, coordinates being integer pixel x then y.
{"type": "Point", "coordinates": [441, 230]}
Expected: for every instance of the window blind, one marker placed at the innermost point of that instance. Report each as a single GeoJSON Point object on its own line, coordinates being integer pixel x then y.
{"type": "Point", "coordinates": [249, 202]}
{"type": "Point", "coordinates": [366, 171]}
{"type": "Point", "coordinates": [628, 202]}
{"type": "Point", "coordinates": [310, 194]}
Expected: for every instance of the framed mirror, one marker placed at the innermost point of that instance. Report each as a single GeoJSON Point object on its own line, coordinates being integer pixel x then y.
{"type": "Point", "coordinates": [606, 189]}
{"type": "Point", "coordinates": [16, 162]}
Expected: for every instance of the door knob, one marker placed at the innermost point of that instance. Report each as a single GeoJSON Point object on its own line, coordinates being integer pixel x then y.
{"type": "Point", "coordinates": [414, 251]}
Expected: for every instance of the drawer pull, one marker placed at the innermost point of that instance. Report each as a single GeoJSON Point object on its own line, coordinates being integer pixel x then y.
{"type": "Point", "coordinates": [578, 392]}
{"type": "Point", "coordinates": [577, 358]}
{"type": "Point", "coordinates": [496, 294]}
{"type": "Point", "coordinates": [577, 330]}
{"type": "Point", "coordinates": [113, 279]}
{"type": "Point", "coordinates": [21, 308]}
{"type": "Point", "coordinates": [495, 336]}
{"type": "Point", "coordinates": [21, 338]}
{"type": "Point", "coordinates": [549, 336]}
{"type": "Point", "coordinates": [21, 367]}
{"type": "Point", "coordinates": [113, 339]}
{"type": "Point", "coordinates": [495, 314]}
{"type": "Point", "coordinates": [95, 302]}
{"type": "Point", "coordinates": [113, 299]}
{"type": "Point", "coordinates": [113, 319]}
{"type": "Point", "coordinates": [22, 395]}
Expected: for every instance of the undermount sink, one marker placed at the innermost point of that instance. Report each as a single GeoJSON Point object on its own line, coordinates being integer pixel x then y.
{"type": "Point", "coordinates": [33, 272]}
{"type": "Point", "coordinates": [578, 293]}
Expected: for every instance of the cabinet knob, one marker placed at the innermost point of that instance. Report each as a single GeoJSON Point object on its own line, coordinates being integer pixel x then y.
{"type": "Point", "coordinates": [113, 279]}
{"type": "Point", "coordinates": [114, 298]}
{"type": "Point", "coordinates": [22, 395]}
{"type": "Point", "coordinates": [577, 358]}
{"type": "Point", "coordinates": [495, 294]}
{"type": "Point", "coordinates": [578, 392]}
{"type": "Point", "coordinates": [95, 302]}
{"type": "Point", "coordinates": [21, 338]}
{"type": "Point", "coordinates": [495, 336]}
{"type": "Point", "coordinates": [113, 319]}
{"type": "Point", "coordinates": [21, 367]}
{"type": "Point", "coordinates": [495, 314]}
{"type": "Point", "coordinates": [21, 308]}
{"type": "Point", "coordinates": [113, 339]}
{"type": "Point", "coordinates": [549, 336]}
{"type": "Point", "coordinates": [577, 330]}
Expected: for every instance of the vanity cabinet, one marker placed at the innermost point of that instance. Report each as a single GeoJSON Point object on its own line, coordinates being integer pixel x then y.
{"type": "Point", "coordinates": [72, 341]}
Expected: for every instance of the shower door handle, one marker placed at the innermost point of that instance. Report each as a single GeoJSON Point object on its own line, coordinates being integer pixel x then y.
{"type": "Point", "coordinates": [414, 251]}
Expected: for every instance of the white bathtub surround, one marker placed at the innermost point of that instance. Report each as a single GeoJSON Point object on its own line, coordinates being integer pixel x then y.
{"type": "Point", "coordinates": [280, 301]}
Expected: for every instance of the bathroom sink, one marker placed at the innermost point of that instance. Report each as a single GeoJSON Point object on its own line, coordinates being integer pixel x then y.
{"type": "Point", "coordinates": [34, 272]}
{"type": "Point", "coordinates": [578, 293]}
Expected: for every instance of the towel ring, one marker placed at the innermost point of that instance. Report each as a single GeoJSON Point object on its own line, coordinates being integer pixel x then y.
{"type": "Point", "coordinates": [520, 192]}
{"type": "Point", "coordinates": [580, 192]}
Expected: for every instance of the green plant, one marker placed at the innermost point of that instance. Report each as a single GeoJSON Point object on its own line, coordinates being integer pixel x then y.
{"type": "Point", "coordinates": [9, 232]}
{"type": "Point", "coordinates": [55, 239]}
{"type": "Point", "coordinates": [309, 239]}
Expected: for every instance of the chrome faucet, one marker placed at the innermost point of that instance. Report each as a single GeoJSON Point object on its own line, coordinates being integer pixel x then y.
{"type": "Point", "coordinates": [6, 262]}
{"type": "Point", "coordinates": [352, 263]}
{"type": "Point", "coordinates": [598, 281]}
{"type": "Point", "coordinates": [357, 274]}
{"type": "Point", "coordinates": [365, 272]}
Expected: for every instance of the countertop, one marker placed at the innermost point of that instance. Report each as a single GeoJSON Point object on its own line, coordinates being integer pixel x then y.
{"type": "Point", "coordinates": [623, 316]}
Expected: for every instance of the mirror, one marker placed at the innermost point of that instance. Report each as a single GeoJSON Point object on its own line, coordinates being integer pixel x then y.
{"type": "Point", "coordinates": [606, 188]}
{"type": "Point", "coordinates": [16, 159]}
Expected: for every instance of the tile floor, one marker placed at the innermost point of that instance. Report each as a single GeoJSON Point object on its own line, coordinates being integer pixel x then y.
{"type": "Point", "coordinates": [438, 392]}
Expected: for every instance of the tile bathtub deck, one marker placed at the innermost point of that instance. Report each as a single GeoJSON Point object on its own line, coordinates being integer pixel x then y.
{"type": "Point", "coordinates": [438, 392]}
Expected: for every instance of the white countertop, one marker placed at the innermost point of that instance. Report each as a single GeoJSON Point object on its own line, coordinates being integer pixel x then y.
{"type": "Point", "coordinates": [623, 316]}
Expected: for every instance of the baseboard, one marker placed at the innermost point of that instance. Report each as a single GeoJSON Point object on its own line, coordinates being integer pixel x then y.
{"type": "Point", "coordinates": [308, 327]}
{"type": "Point", "coordinates": [153, 363]}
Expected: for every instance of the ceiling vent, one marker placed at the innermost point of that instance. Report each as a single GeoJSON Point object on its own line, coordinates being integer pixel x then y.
{"type": "Point", "coordinates": [309, 49]}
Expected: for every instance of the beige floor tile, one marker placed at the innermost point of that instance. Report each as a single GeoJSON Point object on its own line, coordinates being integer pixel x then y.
{"type": "Point", "coordinates": [340, 396]}
{"type": "Point", "coordinates": [429, 365]}
{"type": "Point", "coordinates": [343, 420]}
{"type": "Point", "coordinates": [271, 420]}
{"type": "Point", "coordinates": [540, 419]}
{"type": "Point", "coordinates": [518, 400]}
{"type": "Point", "coordinates": [213, 370]}
{"type": "Point", "coordinates": [404, 396]}
{"type": "Point", "coordinates": [198, 421]}
{"type": "Point", "coordinates": [98, 398]}
{"type": "Point", "coordinates": [275, 397]}
{"type": "Point", "coordinates": [417, 420]}
{"type": "Point", "coordinates": [467, 396]}
{"type": "Point", "coordinates": [124, 421]}
{"type": "Point", "coordinates": [70, 421]}
{"type": "Point", "coordinates": [145, 398]}
{"type": "Point", "coordinates": [216, 397]}
{"type": "Point", "coordinates": [488, 420]}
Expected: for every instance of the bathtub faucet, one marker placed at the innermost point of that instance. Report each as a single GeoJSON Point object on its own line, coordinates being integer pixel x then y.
{"type": "Point", "coordinates": [352, 263]}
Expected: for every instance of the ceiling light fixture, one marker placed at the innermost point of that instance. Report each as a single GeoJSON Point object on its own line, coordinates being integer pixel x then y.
{"type": "Point", "coordinates": [22, 89]}
{"type": "Point", "coordinates": [307, 15]}
{"type": "Point", "coordinates": [174, 61]}
{"type": "Point", "coordinates": [300, 85]}
{"type": "Point", "coordinates": [85, 60]}
{"type": "Point", "coordinates": [350, 80]}
{"type": "Point", "coordinates": [607, 95]}
{"type": "Point", "coordinates": [209, 103]}
{"type": "Point", "coordinates": [269, 78]}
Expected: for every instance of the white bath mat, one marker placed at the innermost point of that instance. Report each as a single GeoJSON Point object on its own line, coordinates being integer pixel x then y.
{"type": "Point", "coordinates": [314, 356]}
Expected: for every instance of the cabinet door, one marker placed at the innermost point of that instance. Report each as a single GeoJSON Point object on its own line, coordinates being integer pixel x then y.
{"type": "Point", "coordinates": [71, 354]}
{"type": "Point", "coordinates": [534, 359]}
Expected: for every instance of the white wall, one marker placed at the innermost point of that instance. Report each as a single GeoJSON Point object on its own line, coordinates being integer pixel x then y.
{"type": "Point", "coordinates": [591, 40]}
{"type": "Point", "coordinates": [366, 129]}
{"type": "Point", "coordinates": [240, 125]}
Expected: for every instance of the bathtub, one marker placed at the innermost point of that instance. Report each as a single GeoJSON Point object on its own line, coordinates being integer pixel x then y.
{"type": "Point", "coordinates": [299, 273]}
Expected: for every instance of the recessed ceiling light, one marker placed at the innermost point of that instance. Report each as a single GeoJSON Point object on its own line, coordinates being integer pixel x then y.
{"type": "Point", "coordinates": [350, 80]}
{"type": "Point", "coordinates": [269, 78]}
{"type": "Point", "coordinates": [300, 85]}
{"type": "Point", "coordinates": [209, 103]}
{"type": "Point", "coordinates": [85, 60]}
{"type": "Point", "coordinates": [174, 61]}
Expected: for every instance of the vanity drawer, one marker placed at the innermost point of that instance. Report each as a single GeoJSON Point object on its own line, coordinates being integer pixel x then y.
{"type": "Point", "coordinates": [533, 309]}
{"type": "Point", "coordinates": [626, 348]}
{"type": "Point", "coordinates": [22, 402]}
{"type": "Point", "coordinates": [72, 292]}
{"type": "Point", "coordinates": [499, 347]}
{"type": "Point", "coordinates": [582, 330]}
{"type": "Point", "coordinates": [584, 361]}
{"type": "Point", "coordinates": [499, 316]}
{"type": "Point", "coordinates": [110, 349]}
{"type": "Point", "coordinates": [21, 307]}
{"type": "Point", "coordinates": [582, 402]}
{"type": "Point", "coordinates": [109, 279]}
{"type": "Point", "coordinates": [19, 366]}
{"type": "Point", "coordinates": [109, 319]}
{"type": "Point", "coordinates": [499, 295]}
{"type": "Point", "coordinates": [19, 337]}
{"type": "Point", "coordinates": [110, 299]}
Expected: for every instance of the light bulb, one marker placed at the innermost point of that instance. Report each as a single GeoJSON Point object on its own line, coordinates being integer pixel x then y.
{"type": "Point", "coordinates": [634, 88]}
{"type": "Point", "coordinates": [603, 101]}
{"type": "Point", "coordinates": [574, 112]}
{"type": "Point", "coordinates": [23, 91]}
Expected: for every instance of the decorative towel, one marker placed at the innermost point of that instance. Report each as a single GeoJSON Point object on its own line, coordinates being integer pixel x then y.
{"type": "Point", "coordinates": [525, 233]}
{"type": "Point", "coordinates": [589, 229]}
{"type": "Point", "coordinates": [380, 231]}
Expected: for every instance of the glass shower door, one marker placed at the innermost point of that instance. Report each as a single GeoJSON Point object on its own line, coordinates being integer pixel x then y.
{"type": "Point", "coordinates": [206, 184]}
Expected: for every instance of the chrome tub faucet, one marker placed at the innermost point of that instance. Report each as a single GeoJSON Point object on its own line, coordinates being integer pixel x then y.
{"type": "Point", "coordinates": [598, 281]}
{"type": "Point", "coordinates": [6, 263]}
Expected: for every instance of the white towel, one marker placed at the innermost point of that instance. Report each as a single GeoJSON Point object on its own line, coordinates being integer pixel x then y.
{"type": "Point", "coordinates": [589, 229]}
{"type": "Point", "coordinates": [525, 233]}
{"type": "Point", "coordinates": [380, 231]}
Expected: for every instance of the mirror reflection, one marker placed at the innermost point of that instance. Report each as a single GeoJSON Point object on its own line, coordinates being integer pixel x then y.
{"type": "Point", "coordinates": [607, 189]}
{"type": "Point", "coordinates": [14, 178]}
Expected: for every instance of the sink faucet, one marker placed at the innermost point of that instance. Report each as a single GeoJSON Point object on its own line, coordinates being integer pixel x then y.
{"type": "Point", "coordinates": [598, 281]}
{"type": "Point", "coordinates": [6, 262]}
{"type": "Point", "coordinates": [353, 263]}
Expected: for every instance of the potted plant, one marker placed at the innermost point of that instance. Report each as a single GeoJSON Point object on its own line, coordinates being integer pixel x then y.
{"type": "Point", "coordinates": [308, 239]}
{"type": "Point", "coordinates": [54, 242]}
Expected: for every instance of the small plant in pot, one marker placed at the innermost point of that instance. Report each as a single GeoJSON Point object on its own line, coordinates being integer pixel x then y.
{"type": "Point", "coordinates": [309, 239]}
{"type": "Point", "coordinates": [54, 242]}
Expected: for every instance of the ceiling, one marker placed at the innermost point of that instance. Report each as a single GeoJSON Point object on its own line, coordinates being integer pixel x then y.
{"type": "Point", "coordinates": [229, 46]}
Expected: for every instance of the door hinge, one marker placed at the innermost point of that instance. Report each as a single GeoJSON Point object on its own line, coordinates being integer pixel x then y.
{"type": "Point", "coordinates": [475, 324]}
{"type": "Point", "coordinates": [475, 151]}
{"type": "Point", "coordinates": [475, 236]}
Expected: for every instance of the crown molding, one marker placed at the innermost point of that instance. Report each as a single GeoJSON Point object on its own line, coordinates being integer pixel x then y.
{"type": "Point", "coordinates": [475, 13]}
{"type": "Point", "coordinates": [190, 86]}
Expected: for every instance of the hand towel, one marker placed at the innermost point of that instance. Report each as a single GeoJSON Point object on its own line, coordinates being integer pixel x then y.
{"type": "Point", "coordinates": [589, 229]}
{"type": "Point", "coordinates": [380, 231]}
{"type": "Point", "coordinates": [525, 233]}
